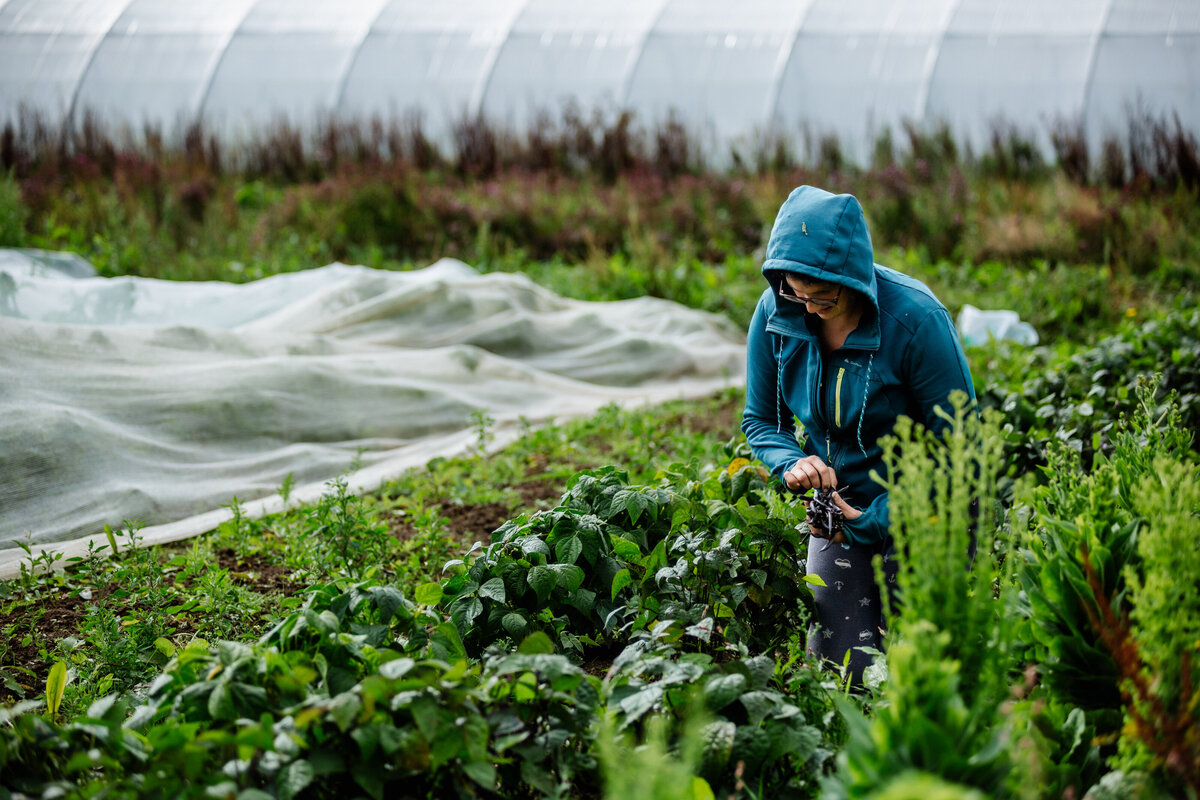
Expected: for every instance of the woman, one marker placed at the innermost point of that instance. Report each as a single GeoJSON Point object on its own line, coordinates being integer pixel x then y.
{"type": "Point", "coordinates": [845, 346]}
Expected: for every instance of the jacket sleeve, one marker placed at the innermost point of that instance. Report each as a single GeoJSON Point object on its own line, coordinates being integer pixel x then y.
{"type": "Point", "coordinates": [935, 366]}
{"type": "Point", "coordinates": [767, 421]}
{"type": "Point", "coordinates": [872, 526]}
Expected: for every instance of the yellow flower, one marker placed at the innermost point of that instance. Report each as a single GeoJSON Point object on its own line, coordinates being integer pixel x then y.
{"type": "Point", "coordinates": [736, 465]}
{"type": "Point", "coordinates": [1131, 312]}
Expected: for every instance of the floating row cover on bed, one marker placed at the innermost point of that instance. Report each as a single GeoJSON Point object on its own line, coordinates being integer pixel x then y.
{"type": "Point", "coordinates": [730, 70]}
{"type": "Point", "coordinates": [137, 399]}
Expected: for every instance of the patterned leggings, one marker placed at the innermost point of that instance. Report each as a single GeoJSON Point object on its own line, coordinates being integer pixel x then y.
{"type": "Point", "coordinates": [850, 614]}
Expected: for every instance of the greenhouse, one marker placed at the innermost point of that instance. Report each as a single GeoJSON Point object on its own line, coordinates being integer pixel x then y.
{"type": "Point", "coordinates": [620, 400]}
{"type": "Point", "coordinates": [732, 72]}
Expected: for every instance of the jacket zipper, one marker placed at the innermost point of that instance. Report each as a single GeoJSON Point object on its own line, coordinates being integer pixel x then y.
{"type": "Point", "coordinates": [837, 398]}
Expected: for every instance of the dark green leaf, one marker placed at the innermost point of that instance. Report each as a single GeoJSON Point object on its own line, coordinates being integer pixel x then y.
{"type": "Point", "coordinates": [493, 590]}
{"type": "Point", "coordinates": [542, 580]}
{"type": "Point", "coordinates": [514, 623]}
{"type": "Point", "coordinates": [568, 550]}
{"type": "Point", "coordinates": [294, 778]}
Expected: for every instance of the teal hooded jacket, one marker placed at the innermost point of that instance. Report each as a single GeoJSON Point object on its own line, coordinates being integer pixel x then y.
{"type": "Point", "coordinates": [904, 358]}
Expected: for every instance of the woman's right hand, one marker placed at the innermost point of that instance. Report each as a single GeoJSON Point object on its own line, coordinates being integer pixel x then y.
{"type": "Point", "coordinates": [810, 472]}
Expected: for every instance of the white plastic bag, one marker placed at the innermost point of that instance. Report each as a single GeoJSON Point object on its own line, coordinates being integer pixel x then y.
{"type": "Point", "coordinates": [976, 326]}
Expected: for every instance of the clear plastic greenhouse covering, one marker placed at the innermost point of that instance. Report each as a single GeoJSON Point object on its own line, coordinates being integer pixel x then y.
{"type": "Point", "coordinates": [730, 71]}
{"type": "Point", "coordinates": [138, 399]}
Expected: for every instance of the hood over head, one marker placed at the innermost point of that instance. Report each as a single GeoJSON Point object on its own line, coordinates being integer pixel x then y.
{"type": "Point", "coordinates": [822, 237]}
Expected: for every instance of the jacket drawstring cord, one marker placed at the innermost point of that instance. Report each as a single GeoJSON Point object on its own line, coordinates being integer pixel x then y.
{"type": "Point", "coordinates": [863, 412]}
{"type": "Point", "coordinates": [779, 389]}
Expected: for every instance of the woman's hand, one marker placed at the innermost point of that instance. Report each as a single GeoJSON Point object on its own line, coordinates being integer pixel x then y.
{"type": "Point", "coordinates": [810, 472]}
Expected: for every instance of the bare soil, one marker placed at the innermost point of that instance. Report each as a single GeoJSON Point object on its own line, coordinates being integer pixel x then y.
{"type": "Point", "coordinates": [46, 621]}
{"type": "Point", "coordinates": [255, 572]}
{"type": "Point", "coordinates": [469, 522]}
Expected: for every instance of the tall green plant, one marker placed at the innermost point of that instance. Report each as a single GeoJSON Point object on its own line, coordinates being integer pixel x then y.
{"type": "Point", "coordinates": [951, 658]}
{"type": "Point", "coordinates": [1157, 646]}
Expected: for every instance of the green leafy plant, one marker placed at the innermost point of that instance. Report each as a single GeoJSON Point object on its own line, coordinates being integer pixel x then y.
{"type": "Point", "coordinates": [951, 649]}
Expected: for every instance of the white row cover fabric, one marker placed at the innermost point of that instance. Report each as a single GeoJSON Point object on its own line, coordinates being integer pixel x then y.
{"type": "Point", "coordinates": [137, 399]}
{"type": "Point", "coordinates": [731, 71]}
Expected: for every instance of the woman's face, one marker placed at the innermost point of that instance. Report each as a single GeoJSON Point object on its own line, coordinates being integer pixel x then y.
{"type": "Point", "coordinates": [826, 300]}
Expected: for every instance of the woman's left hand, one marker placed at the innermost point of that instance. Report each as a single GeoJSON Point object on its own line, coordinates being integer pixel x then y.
{"type": "Point", "coordinates": [848, 511]}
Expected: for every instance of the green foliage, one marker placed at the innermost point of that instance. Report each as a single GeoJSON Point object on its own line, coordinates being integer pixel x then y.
{"type": "Point", "coordinates": [1098, 512]}
{"type": "Point", "coordinates": [952, 654]}
{"type": "Point", "coordinates": [362, 690]}
{"type": "Point", "coordinates": [649, 770]}
{"type": "Point", "coordinates": [1079, 399]}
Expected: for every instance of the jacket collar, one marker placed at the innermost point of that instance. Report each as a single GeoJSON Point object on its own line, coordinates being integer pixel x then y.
{"type": "Point", "coordinates": [796, 322]}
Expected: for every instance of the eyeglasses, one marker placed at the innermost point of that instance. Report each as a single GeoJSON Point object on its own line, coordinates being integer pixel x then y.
{"type": "Point", "coordinates": [789, 294]}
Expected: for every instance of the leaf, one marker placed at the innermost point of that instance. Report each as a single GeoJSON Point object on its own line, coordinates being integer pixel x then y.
{"type": "Point", "coordinates": [429, 594]}
{"type": "Point", "coordinates": [569, 576]}
{"type": "Point", "coordinates": [535, 643]}
{"type": "Point", "coordinates": [701, 790]}
{"type": "Point", "coordinates": [620, 581]}
{"type": "Point", "coordinates": [56, 686]}
{"type": "Point", "coordinates": [634, 503]}
{"type": "Point", "coordinates": [532, 544]}
{"type": "Point", "coordinates": [625, 549]}
{"type": "Point", "coordinates": [640, 702]}
{"type": "Point", "coordinates": [493, 590]}
{"type": "Point", "coordinates": [584, 600]}
{"type": "Point", "coordinates": [482, 773]}
{"type": "Point", "coordinates": [102, 707]}
{"type": "Point", "coordinates": [568, 550]}
{"type": "Point", "coordinates": [542, 580]}
{"type": "Point", "coordinates": [294, 779]}
{"type": "Point", "coordinates": [344, 709]}
{"type": "Point", "coordinates": [514, 623]}
{"type": "Point", "coordinates": [467, 609]}
{"type": "Point", "coordinates": [164, 646]}
{"type": "Point", "coordinates": [388, 600]}
{"type": "Point", "coordinates": [220, 702]}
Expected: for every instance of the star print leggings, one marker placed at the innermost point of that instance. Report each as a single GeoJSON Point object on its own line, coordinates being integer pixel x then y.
{"type": "Point", "coordinates": [850, 614]}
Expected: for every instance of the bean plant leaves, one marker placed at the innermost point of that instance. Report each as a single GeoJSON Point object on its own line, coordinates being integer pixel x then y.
{"type": "Point", "coordinates": [389, 601]}
{"type": "Point", "coordinates": [493, 590]}
{"type": "Point", "coordinates": [568, 550]}
{"type": "Point", "coordinates": [626, 549]}
{"type": "Point", "coordinates": [568, 576]}
{"type": "Point", "coordinates": [429, 594]}
{"type": "Point", "coordinates": [514, 623]}
{"type": "Point", "coordinates": [482, 772]}
{"type": "Point", "coordinates": [542, 580]}
{"type": "Point", "coordinates": [620, 581]}
{"type": "Point", "coordinates": [535, 643]}
{"type": "Point", "coordinates": [220, 702]}
{"type": "Point", "coordinates": [344, 709]}
{"type": "Point", "coordinates": [294, 779]}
